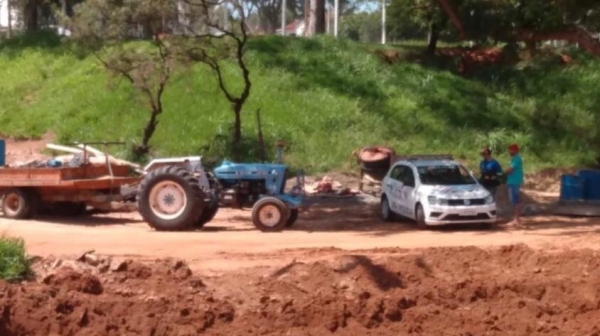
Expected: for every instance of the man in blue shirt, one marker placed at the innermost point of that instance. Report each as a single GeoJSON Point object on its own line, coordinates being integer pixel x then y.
{"type": "Point", "coordinates": [490, 171]}
{"type": "Point", "coordinates": [514, 181]}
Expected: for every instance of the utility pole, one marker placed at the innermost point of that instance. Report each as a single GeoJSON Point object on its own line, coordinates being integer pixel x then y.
{"type": "Point", "coordinates": [383, 28]}
{"type": "Point", "coordinates": [336, 14]}
{"type": "Point", "coordinates": [327, 19]}
{"type": "Point", "coordinates": [283, 8]}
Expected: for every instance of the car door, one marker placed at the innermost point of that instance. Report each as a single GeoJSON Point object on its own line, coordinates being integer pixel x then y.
{"type": "Point", "coordinates": [407, 195]}
{"type": "Point", "coordinates": [392, 185]}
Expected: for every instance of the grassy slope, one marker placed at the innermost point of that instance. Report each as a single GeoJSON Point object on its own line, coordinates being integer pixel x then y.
{"type": "Point", "coordinates": [325, 97]}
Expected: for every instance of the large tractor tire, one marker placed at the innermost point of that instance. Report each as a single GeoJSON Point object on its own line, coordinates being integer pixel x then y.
{"type": "Point", "coordinates": [270, 214]}
{"type": "Point", "coordinates": [210, 211]}
{"type": "Point", "coordinates": [19, 203]}
{"type": "Point", "coordinates": [170, 199]}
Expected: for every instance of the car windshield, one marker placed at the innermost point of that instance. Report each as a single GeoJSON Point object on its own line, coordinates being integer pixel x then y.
{"type": "Point", "coordinates": [445, 175]}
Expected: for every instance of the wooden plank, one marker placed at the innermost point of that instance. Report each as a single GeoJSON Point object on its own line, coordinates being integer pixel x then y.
{"type": "Point", "coordinates": [100, 154]}
{"type": "Point", "coordinates": [66, 149]}
{"type": "Point", "coordinates": [92, 150]}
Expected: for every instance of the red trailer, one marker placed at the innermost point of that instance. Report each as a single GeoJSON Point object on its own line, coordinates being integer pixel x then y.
{"type": "Point", "coordinates": [25, 191]}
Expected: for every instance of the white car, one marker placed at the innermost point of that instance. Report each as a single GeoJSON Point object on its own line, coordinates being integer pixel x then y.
{"type": "Point", "coordinates": [435, 192]}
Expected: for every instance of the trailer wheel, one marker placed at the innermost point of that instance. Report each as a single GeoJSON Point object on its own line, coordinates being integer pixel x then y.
{"type": "Point", "coordinates": [270, 214]}
{"type": "Point", "coordinates": [209, 212]}
{"type": "Point", "coordinates": [293, 217]}
{"type": "Point", "coordinates": [170, 199]}
{"type": "Point", "coordinates": [18, 203]}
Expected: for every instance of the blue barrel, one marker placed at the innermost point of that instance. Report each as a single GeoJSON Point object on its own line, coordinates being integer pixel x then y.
{"type": "Point", "coordinates": [591, 184]}
{"type": "Point", "coordinates": [2, 152]}
{"type": "Point", "coordinates": [571, 187]}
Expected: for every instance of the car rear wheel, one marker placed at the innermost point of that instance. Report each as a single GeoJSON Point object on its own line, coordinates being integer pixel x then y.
{"type": "Point", "coordinates": [420, 218]}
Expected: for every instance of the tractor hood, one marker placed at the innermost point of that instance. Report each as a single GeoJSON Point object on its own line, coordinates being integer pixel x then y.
{"type": "Point", "coordinates": [248, 170]}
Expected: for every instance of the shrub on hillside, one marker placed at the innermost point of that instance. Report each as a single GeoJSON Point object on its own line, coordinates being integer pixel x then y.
{"type": "Point", "coordinates": [13, 259]}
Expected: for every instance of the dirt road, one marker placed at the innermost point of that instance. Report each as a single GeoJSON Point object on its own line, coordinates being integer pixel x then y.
{"type": "Point", "coordinates": [230, 241]}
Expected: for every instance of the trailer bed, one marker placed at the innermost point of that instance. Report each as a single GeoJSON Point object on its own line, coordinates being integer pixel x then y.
{"type": "Point", "coordinates": [84, 177]}
{"type": "Point", "coordinates": [70, 189]}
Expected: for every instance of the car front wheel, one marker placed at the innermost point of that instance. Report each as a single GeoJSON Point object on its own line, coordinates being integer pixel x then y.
{"type": "Point", "coordinates": [386, 212]}
{"type": "Point", "coordinates": [420, 217]}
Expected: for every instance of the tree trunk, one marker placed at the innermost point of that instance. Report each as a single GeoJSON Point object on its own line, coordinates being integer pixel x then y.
{"type": "Point", "coordinates": [314, 17]}
{"type": "Point", "coordinates": [320, 25]}
{"type": "Point", "coordinates": [310, 18]}
{"type": "Point", "coordinates": [143, 149]}
{"type": "Point", "coordinates": [432, 38]}
{"type": "Point", "coordinates": [31, 16]}
{"type": "Point", "coordinates": [237, 132]}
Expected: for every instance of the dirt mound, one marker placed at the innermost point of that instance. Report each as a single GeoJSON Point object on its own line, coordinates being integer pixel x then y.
{"type": "Point", "coordinates": [511, 290]}
{"type": "Point", "coordinates": [70, 280]}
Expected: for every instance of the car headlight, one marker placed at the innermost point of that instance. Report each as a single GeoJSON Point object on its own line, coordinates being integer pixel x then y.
{"type": "Point", "coordinates": [436, 201]}
{"type": "Point", "coordinates": [433, 200]}
{"type": "Point", "coordinates": [489, 199]}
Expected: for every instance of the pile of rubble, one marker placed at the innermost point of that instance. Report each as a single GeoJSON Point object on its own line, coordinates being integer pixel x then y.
{"type": "Point", "coordinates": [326, 186]}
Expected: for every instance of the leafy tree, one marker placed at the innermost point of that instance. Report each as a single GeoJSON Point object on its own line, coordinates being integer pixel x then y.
{"type": "Point", "coordinates": [500, 20]}
{"type": "Point", "coordinates": [364, 27]}
{"type": "Point", "coordinates": [414, 17]}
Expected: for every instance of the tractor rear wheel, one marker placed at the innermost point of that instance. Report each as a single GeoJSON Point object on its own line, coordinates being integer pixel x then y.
{"type": "Point", "coordinates": [170, 199]}
{"type": "Point", "coordinates": [293, 217]}
{"type": "Point", "coordinates": [210, 211]}
{"type": "Point", "coordinates": [270, 214]}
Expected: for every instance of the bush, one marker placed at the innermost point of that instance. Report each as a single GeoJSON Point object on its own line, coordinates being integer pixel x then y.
{"type": "Point", "coordinates": [13, 259]}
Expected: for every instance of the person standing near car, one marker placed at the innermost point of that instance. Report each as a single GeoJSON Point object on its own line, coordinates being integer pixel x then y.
{"type": "Point", "coordinates": [514, 181]}
{"type": "Point", "coordinates": [490, 171]}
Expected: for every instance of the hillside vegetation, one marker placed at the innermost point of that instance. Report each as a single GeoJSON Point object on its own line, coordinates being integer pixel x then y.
{"type": "Point", "coordinates": [324, 97]}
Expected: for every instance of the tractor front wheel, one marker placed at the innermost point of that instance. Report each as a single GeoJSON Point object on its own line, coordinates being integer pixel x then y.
{"type": "Point", "coordinates": [270, 214]}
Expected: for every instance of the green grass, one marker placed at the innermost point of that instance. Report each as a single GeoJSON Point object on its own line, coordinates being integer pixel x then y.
{"type": "Point", "coordinates": [13, 259]}
{"type": "Point", "coordinates": [324, 97]}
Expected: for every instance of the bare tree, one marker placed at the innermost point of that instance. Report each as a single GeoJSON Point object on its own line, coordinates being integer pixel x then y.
{"type": "Point", "coordinates": [209, 32]}
{"type": "Point", "coordinates": [103, 27]}
{"type": "Point", "coordinates": [225, 39]}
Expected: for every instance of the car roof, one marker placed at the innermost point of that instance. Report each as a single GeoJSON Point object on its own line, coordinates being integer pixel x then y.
{"type": "Point", "coordinates": [427, 163]}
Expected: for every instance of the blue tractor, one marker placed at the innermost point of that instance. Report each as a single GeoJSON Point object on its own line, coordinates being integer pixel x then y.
{"type": "Point", "coordinates": [180, 194]}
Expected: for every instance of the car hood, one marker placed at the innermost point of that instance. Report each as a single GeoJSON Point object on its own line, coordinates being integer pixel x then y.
{"type": "Point", "coordinates": [469, 191]}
